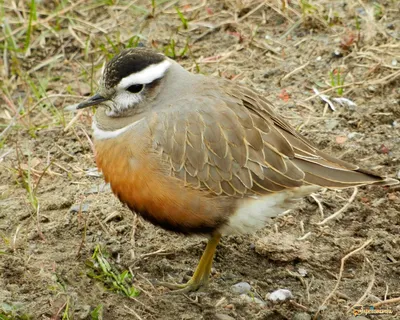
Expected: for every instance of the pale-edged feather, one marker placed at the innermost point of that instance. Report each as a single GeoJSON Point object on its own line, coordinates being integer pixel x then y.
{"type": "Point", "coordinates": [231, 142]}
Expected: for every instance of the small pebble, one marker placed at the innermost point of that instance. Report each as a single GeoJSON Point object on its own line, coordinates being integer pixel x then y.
{"type": "Point", "coordinates": [301, 316]}
{"type": "Point", "coordinates": [85, 312]}
{"type": "Point", "coordinates": [337, 53]}
{"type": "Point", "coordinates": [241, 288]}
{"type": "Point", "coordinates": [222, 316]}
{"type": "Point", "coordinates": [101, 188]}
{"type": "Point", "coordinates": [391, 26]}
{"type": "Point", "coordinates": [361, 11]}
{"type": "Point", "coordinates": [93, 172]}
{"type": "Point", "coordinates": [331, 124]}
{"type": "Point", "coordinates": [79, 208]}
{"type": "Point", "coordinates": [352, 135]}
{"type": "Point", "coordinates": [280, 295]}
{"type": "Point", "coordinates": [302, 272]}
{"type": "Point", "coordinates": [249, 299]}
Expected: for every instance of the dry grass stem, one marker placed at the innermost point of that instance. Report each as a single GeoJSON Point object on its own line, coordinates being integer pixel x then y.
{"type": "Point", "coordinates": [320, 207]}
{"type": "Point", "coordinates": [287, 76]}
{"type": "Point", "coordinates": [133, 312]}
{"type": "Point", "coordinates": [386, 302]}
{"type": "Point", "coordinates": [343, 209]}
{"type": "Point", "coordinates": [342, 262]}
{"type": "Point", "coordinates": [369, 288]}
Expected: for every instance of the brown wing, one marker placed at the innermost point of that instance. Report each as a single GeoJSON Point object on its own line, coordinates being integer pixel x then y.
{"type": "Point", "coordinates": [319, 167]}
{"type": "Point", "coordinates": [236, 145]}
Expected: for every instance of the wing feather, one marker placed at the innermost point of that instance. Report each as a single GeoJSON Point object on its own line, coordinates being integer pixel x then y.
{"type": "Point", "coordinates": [228, 189]}
{"type": "Point", "coordinates": [236, 145]}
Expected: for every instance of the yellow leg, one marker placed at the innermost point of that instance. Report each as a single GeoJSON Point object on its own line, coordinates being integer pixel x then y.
{"type": "Point", "coordinates": [202, 272]}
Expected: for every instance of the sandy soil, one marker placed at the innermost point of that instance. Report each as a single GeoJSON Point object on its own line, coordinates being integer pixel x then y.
{"type": "Point", "coordinates": [282, 52]}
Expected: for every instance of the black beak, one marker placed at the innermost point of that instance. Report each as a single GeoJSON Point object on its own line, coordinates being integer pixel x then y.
{"type": "Point", "coordinates": [92, 101]}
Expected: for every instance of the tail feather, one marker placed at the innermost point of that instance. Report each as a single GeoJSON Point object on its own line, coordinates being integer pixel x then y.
{"type": "Point", "coordinates": [326, 174]}
{"type": "Point", "coordinates": [387, 182]}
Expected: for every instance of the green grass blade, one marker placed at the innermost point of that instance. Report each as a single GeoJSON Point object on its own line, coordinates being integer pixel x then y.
{"type": "Point", "coordinates": [32, 17]}
{"type": "Point", "coordinates": [97, 313]}
{"type": "Point", "coordinates": [184, 21]}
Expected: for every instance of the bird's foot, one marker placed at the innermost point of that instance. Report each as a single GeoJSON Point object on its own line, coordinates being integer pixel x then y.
{"type": "Point", "coordinates": [202, 272]}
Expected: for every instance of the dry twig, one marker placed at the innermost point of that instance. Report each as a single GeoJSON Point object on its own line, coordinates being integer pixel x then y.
{"type": "Point", "coordinates": [389, 301]}
{"type": "Point", "coordinates": [369, 288]}
{"type": "Point", "coordinates": [337, 213]}
{"type": "Point", "coordinates": [340, 275]}
{"type": "Point", "coordinates": [133, 312]}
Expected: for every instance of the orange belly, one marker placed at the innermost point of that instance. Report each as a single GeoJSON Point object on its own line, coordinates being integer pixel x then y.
{"type": "Point", "coordinates": [138, 180]}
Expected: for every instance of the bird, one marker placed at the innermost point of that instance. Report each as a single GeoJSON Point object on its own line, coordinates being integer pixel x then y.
{"type": "Point", "coordinates": [197, 154]}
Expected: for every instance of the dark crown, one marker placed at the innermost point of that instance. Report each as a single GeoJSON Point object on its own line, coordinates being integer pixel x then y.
{"type": "Point", "coordinates": [127, 62]}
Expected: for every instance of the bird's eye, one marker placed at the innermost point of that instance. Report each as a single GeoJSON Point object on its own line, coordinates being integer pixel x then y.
{"type": "Point", "coordinates": [135, 88]}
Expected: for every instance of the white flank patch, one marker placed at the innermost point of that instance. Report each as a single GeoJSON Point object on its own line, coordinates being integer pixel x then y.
{"type": "Point", "coordinates": [100, 134]}
{"type": "Point", "coordinates": [147, 75]}
{"type": "Point", "coordinates": [254, 213]}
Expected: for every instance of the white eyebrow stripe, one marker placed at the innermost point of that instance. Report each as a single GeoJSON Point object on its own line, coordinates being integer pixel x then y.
{"type": "Point", "coordinates": [147, 75]}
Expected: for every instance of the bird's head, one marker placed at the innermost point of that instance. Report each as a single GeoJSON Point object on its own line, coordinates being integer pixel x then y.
{"type": "Point", "coordinates": [129, 82]}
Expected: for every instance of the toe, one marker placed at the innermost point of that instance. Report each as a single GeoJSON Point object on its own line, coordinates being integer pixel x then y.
{"type": "Point", "coordinates": [190, 286]}
{"type": "Point", "coordinates": [172, 286]}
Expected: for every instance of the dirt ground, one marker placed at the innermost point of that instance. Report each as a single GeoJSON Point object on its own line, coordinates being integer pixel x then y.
{"type": "Point", "coordinates": [55, 209]}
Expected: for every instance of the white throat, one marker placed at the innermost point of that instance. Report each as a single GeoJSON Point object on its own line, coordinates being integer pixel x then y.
{"type": "Point", "coordinates": [100, 134]}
